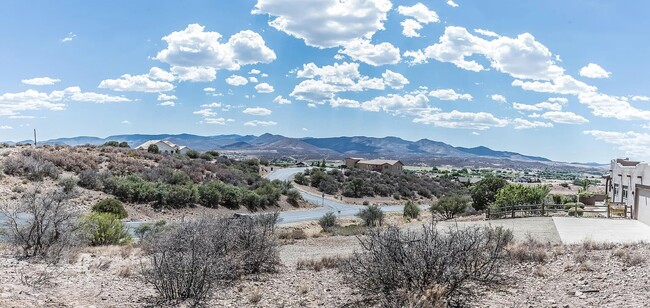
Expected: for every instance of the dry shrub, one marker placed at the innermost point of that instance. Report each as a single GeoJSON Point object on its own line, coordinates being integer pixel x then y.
{"type": "Point", "coordinates": [324, 262]}
{"type": "Point", "coordinates": [294, 234]}
{"type": "Point", "coordinates": [619, 253]}
{"type": "Point", "coordinates": [633, 259]}
{"type": "Point", "coordinates": [427, 268]}
{"type": "Point", "coordinates": [540, 271]}
{"type": "Point", "coordinates": [42, 225]}
{"type": "Point", "coordinates": [255, 296]}
{"type": "Point", "coordinates": [593, 245]}
{"type": "Point", "coordinates": [32, 165]}
{"type": "Point", "coordinates": [529, 250]}
{"type": "Point", "coordinates": [586, 266]}
{"type": "Point", "coordinates": [125, 271]}
{"type": "Point", "coordinates": [189, 260]}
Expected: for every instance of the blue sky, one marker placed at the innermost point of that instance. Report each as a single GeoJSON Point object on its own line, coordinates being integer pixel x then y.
{"type": "Point", "coordinates": [564, 80]}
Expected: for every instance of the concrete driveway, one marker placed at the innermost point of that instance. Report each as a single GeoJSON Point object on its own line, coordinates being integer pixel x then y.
{"type": "Point", "coordinates": [577, 230]}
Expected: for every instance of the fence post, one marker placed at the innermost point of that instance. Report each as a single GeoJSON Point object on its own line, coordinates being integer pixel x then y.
{"type": "Point", "coordinates": [543, 209]}
{"type": "Point", "coordinates": [609, 213]}
{"type": "Point", "coordinates": [487, 214]}
{"type": "Point", "coordinates": [513, 211]}
{"type": "Point", "coordinates": [575, 213]}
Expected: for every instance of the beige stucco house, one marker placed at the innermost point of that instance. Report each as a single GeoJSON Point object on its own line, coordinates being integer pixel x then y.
{"type": "Point", "coordinates": [164, 146]}
{"type": "Point", "coordinates": [629, 183]}
{"type": "Point", "coordinates": [379, 165]}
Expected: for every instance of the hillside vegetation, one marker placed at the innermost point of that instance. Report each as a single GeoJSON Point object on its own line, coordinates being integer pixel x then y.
{"type": "Point", "coordinates": [164, 181]}
{"type": "Point", "coordinates": [356, 183]}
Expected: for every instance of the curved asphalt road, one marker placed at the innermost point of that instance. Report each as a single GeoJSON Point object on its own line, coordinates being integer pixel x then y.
{"type": "Point", "coordinates": [339, 208]}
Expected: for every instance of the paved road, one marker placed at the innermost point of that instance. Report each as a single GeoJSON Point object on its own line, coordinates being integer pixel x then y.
{"type": "Point", "coordinates": [339, 208]}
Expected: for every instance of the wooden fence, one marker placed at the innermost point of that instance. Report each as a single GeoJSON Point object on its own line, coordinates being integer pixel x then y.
{"type": "Point", "coordinates": [614, 209]}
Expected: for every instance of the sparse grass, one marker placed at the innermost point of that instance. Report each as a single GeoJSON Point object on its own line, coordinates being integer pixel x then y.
{"type": "Point", "coordinates": [540, 271]}
{"type": "Point", "coordinates": [295, 234]}
{"type": "Point", "coordinates": [255, 296]}
{"type": "Point", "coordinates": [349, 230]}
{"type": "Point", "coordinates": [529, 250]}
{"type": "Point", "coordinates": [322, 263]}
{"type": "Point", "coordinates": [633, 259]}
{"type": "Point", "coordinates": [586, 266]}
{"type": "Point", "coordinates": [125, 271]}
{"type": "Point", "coordinates": [593, 245]}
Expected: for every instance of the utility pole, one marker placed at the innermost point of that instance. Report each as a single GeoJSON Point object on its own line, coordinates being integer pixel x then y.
{"type": "Point", "coordinates": [34, 137]}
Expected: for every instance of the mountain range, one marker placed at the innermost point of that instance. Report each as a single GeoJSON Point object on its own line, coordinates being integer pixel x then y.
{"type": "Point", "coordinates": [331, 147]}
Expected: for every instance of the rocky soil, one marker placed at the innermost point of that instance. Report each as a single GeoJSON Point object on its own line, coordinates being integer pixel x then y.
{"type": "Point", "coordinates": [589, 275]}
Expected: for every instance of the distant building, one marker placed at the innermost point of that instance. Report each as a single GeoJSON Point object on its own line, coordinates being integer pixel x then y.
{"type": "Point", "coordinates": [379, 165]}
{"type": "Point", "coordinates": [629, 183]}
{"type": "Point", "coordinates": [164, 146]}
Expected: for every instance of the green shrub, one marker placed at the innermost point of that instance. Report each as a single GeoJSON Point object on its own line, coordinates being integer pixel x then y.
{"type": "Point", "coordinates": [572, 211]}
{"type": "Point", "coordinates": [147, 229]}
{"type": "Point", "coordinates": [68, 184]}
{"type": "Point", "coordinates": [153, 149]}
{"type": "Point", "coordinates": [411, 210]}
{"type": "Point", "coordinates": [178, 196]}
{"type": "Point", "coordinates": [89, 179]}
{"type": "Point", "coordinates": [484, 192]}
{"type": "Point", "coordinates": [366, 202]}
{"type": "Point", "coordinates": [372, 216]}
{"type": "Point", "coordinates": [210, 194]}
{"type": "Point", "coordinates": [105, 229]}
{"type": "Point", "coordinates": [111, 144]}
{"type": "Point", "coordinates": [251, 200]}
{"type": "Point", "coordinates": [193, 154]}
{"type": "Point", "coordinates": [231, 196]}
{"type": "Point", "coordinates": [328, 221]}
{"type": "Point", "coordinates": [449, 206]}
{"type": "Point", "coordinates": [293, 197]}
{"type": "Point", "coordinates": [571, 205]}
{"type": "Point", "coordinates": [110, 206]}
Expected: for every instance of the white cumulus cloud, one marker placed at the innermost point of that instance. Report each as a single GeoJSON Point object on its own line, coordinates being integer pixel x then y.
{"type": "Point", "coordinates": [260, 123]}
{"type": "Point", "coordinates": [525, 124]}
{"type": "Point", "coordinates": [264, 88]}
{"type": "Point", "coordinates": [593, 70]}
{"type": "Point", "coordinates": [281, 100]}
{"type": "Point", "coordinates": [40, 81]}
{"type": "Point", "coordinates": [498, 98]}
{"type": "Point", "coordinates": [449, 95]}
{"type": "Point", "coordinates": [394, 80]}
{"type": "Point", "coordinates": [236, 80]}
{"type": "Point", "coordinates": [564, 117]}
{"type": "Point", "coordinates": [258, 111]}
{"type": "Point", "coordinates": [195, 48]}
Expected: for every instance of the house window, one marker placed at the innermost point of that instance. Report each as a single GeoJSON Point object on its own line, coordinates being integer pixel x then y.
{"type": "Point", "coordinates": [615, 190]}
{"type": "Point", "coordinates": [624, 193]}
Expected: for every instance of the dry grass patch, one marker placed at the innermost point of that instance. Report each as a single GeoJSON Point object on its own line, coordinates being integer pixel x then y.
{"type": "Point", "coordinates": [529, 250]}
{"type": "Point", "coordinates": [322, 263]}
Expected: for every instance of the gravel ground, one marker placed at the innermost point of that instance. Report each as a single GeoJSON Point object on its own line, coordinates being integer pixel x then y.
{"type": "Point", "coordinates": [569, 276]}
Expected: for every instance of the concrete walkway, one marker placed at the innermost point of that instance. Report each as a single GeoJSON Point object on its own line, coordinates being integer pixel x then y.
{"type": "Point", "coordinates": [577, 230]}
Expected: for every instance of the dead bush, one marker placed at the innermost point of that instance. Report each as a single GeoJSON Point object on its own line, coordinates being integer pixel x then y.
{"type": "Point", "coordinates": [30, 164]}
{"type": "Point", "coordinates": [42, 224]}
{"type": "Point", "coordinates": [295, 234]}
{"type": "Point", "coordinates": [324, 262]}
{"type": "Point", "coordinates": [426, 268]}
{"type": "Point", "coordinates": [529, 250]}
{"type": "Point", "coordinates": [190, 259]}
{"type": "Point", "coordinates": [633, 259]}
{"type": "Point", "coordinates": [593, 245]}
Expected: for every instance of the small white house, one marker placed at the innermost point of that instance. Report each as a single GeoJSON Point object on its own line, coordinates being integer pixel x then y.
{"type": "Point", "coordinates": [164, 146]}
